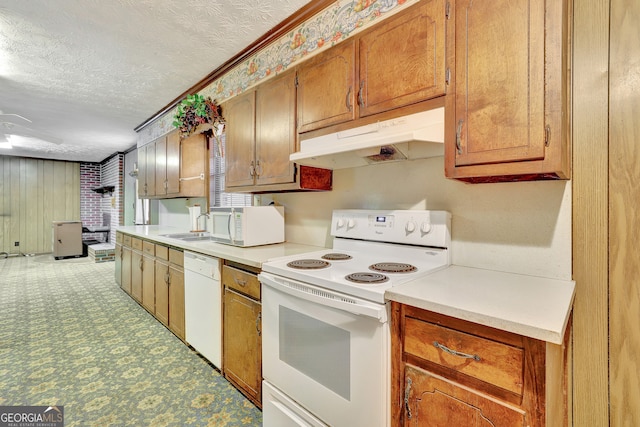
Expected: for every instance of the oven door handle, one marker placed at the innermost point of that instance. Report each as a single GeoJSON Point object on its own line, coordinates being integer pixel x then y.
{"type": "Point", "coordinates": [324, 297]}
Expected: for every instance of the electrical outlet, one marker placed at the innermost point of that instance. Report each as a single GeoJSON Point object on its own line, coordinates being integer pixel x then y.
{"type": "Point", "coordinates": [16, 243]}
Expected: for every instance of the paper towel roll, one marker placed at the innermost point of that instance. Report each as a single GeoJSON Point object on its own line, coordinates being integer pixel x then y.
{"type": "Point", "coordinates": [194, 213]}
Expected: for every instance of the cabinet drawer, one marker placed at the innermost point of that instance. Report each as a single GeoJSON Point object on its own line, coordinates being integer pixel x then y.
{"type": "Point", "coordinates": [176, 257]}
{"type": "Point", "coordinates": [162, 252]}
{"type": "Point", "coordinates": [242, 281]}
{"type": "Point", "coordinates": [136, 243]}
{"type": "Point", "coordinates": [496, 363]}
{"type": "Point", "coordinates": [126, 240]}
{"type": "Point", "coordinates": [148, 248]}
{"type": "Point", "coordinates": [119, 236]}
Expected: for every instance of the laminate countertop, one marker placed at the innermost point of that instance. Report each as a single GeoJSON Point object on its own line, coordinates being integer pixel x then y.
{"type": "Point", "coordinates": [252, 256]}
{"type": "Point", "coordinates": [535, 307]}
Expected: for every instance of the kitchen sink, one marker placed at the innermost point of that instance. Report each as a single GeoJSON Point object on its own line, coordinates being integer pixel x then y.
{"type": "Point", "coordinates": [195, 238]}
{"type": "Point", "coordinates": [197, 235]}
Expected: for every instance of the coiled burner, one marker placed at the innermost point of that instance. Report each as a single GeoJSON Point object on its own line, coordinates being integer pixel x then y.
{"type": "Point", "coordinates": [393, 267]}
{"type": "Point", "coordinates": [308, 264]}
{"type": "Point", "coordinates": [366, 277]}
{"type": "Point", "coordinates": [336, 256]}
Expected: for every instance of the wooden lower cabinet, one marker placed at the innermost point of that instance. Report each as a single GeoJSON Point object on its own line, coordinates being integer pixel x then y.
{"type": "Point", "coordinates": [431, 400]}
{"type": "Point", "coordinates": [148, 283]}
{"type": "Point", "coordinates": [242, 332]}
{"type": "Point", "coordinates": [136, 275]}
{"type": "Point", "coordinates": [161, 289]}
{"type": "Point", "coordinates": [125, 282]}
{"type": "Point", "coordinates": [450, 372]}
{"type": "Point", "coordinates": [118, 269]}
{"type": "Point", "coordinates": [176, 301]}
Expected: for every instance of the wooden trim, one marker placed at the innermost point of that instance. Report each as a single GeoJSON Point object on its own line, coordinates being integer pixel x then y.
{"type": "Point", "coordinates": [299, 17]}
{"type": "Point", "coordinates": [590, 206]}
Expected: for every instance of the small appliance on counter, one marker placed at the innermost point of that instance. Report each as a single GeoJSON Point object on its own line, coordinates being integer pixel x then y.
{"type": "Point", "coordinates": [247, 225]}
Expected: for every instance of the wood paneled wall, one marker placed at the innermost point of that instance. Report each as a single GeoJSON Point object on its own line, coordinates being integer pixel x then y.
{"type": "Point", "coordinates": [624, 215]}
{"type": "Point", "coordinates": [33, 194]}
{"type": "Point", "coordinates": [590, 204]}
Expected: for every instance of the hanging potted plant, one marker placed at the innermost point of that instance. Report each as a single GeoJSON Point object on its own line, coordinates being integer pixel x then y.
{"type": "Point", "coordinates": [196, 110]}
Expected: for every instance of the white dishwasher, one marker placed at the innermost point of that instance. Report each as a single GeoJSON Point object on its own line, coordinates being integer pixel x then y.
{"type": "Point", "coordinates": [203, 305]}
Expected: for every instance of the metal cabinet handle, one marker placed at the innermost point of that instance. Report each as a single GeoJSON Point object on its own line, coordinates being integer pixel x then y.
{"type": "Point", "coordinates": [252, 170]}
{"type": "Point", "coordinates": [360, 97]}
{"type": "Point", "coordinates": [240, 282]}
{"type": "Point", "coordinates": [258, 324]}
{"type": "Point", "coordinates": [407, 390]}
{"type": "Point", "coordinates": [459, 137]}
{"type": "Point", "coordinates": [456, 353]}
{"type": "Point", "coordinates": [348, 99]}
{"type": "Point", "coordinates": [140, 264]}
{"type": "Point", "coordinates": [258, 169]}
{"type": "Point", "coordinates": [167, 278]}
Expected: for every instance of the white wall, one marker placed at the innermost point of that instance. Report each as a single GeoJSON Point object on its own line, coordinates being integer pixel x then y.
{"type": "Point", "coordinates": [174, 212]}
{"type": "Point", "coordinates": [514, 227]}
{"type": "Point", "coordinates": [520, 227]}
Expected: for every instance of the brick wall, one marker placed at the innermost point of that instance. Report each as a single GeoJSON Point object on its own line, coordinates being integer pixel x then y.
{"type": "Point", "coordinates": [93, 205]}
{"type": "Point", "coordinates": [90, 201]}
{"type": "Point", "coordinates": [112, 171]}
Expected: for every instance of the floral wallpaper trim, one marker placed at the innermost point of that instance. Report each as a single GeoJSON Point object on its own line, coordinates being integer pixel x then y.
{"type": "Point", "coordinates": [337, 22]}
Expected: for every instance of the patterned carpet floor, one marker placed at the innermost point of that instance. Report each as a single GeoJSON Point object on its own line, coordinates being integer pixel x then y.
{"type": "Point", "coordinates": [69, 336]}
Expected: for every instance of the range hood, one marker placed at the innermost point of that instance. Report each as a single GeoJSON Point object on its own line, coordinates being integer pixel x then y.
{"type": "Point", "coordinates": [415, 136]}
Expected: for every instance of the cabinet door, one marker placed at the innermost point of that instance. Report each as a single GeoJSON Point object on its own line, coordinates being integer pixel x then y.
{"type": "Point", "coordinates": [173, 163]}
{"type": "Point", "coordinates": [118, 269]}
{"type": "Point", "coordinates": [240, 135]}
{"type": "Point", "coordinates": [275, 130]}
{"type": "Point", "coordinates": [136, 275]}
{"type": "Point", "coordinates": [161, 280]}
{"type": "Point", "coordinates": [142, 172]}
{"type": "Point", "coordinates": [126, 269]}
{"type": "Point", "coordinates": [242, 343]}
{"type": "Point", "coordinates": [436, 402]}
{"type": "Point", "coordinates": [194, 163]}
{"type": "Point", "coordinates": [150, 188]}
{"type": "Point", "coordinates": [327, 88]}
{"type": "Point", "coordinates": [176, 301]}
{"type": "Point", "coordinates": [500, 81]}
{"type": "Point", "coordinates": [161, 166]}
{"type": "Point", "coordinates": [148, 283]}
{"type": "Point", "coordinates": [402, 60]}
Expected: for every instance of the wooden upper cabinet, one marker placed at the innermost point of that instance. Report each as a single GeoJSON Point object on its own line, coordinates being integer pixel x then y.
{"type": "Point", "coordinates": [239, 113]}
{"type": "Point", "coordinates": [194, 166]}
{"type": "Point", "coordinates": [275, 130]}
{"type": "Point", "coordinates": [161, 166]}
{"type": "Point", "coordinates": [506, 122]}
{"type": "Point", "coordinates": [260, 136]}
{"type": "Point", "coordinates": [173, 162]}
{"type": "Point", "coordinates": [327, 88]}
{"type": "Point", "coordinates": [150, 188]}
{"type": "Point", "coordinates": [402, 60]}
{"type": "Point", "coordinates": [168, 164]}
{"type": "Point", "coordinates": [147, 171]}
{"type": "Point", "coordinates": [397, 63]}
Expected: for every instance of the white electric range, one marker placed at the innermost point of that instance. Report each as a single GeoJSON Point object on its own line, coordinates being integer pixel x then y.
{"type": "Point", "coordinates": [325, 331]}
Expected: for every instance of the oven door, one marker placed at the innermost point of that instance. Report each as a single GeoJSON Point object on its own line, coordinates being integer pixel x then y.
{"type": "Point", "coordinates": [326, 351]}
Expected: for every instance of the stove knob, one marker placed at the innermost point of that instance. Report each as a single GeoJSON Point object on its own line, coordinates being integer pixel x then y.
{"type": "Point", "coordinates": [351, 223]}
{"type": "Point", "coordinates": [340, 223]}
{"type": "Point", "coordinates": [410, 227]}
{"type": "Point", "coordinates": [425, 227]}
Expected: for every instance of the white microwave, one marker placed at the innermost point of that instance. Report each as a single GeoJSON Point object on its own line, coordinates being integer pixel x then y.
{"type": "Point", "coordinates": [247, 225]}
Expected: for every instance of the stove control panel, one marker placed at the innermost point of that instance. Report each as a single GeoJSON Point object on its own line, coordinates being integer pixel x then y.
{"type": "Point", "coordinates": [415, 227]}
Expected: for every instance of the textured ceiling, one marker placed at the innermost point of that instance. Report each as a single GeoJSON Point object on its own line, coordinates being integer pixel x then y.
{"type": "Point", "coordinates": [86, 72]}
